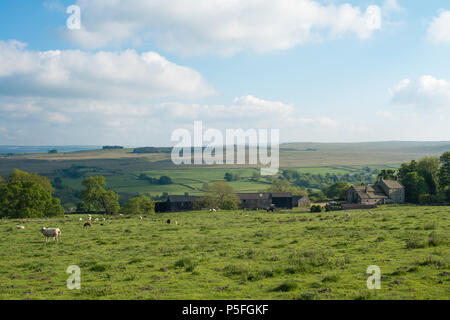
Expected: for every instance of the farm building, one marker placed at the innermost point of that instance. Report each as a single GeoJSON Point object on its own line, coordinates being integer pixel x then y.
{"type": "Point", "coordinates": [248, 201]}
{"type": "Point", "coordinates": [304, 202]}
{"type": "Point", "coordinates": [255, 200]}
{"type": "Point", "coordinates": [176, 203]}
{"type": "Point", "coordinates": [382, 192]}
{"type": "Point", "coordinates": [282, 200]}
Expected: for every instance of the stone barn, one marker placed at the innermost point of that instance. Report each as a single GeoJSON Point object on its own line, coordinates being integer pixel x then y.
{"type": "Point", "coordinates": [304, 202]}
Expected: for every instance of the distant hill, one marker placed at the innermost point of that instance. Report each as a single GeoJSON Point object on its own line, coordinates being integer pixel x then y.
{"type": "Point", "coordinates": [44, 149]}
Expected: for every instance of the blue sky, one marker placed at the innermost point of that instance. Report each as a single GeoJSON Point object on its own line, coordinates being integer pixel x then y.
{"type": "Point", "coordinates": [135, 72]}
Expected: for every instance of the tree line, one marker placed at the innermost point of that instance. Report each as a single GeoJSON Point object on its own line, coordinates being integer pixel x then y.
{"type": "Point", "coordinates": [29, 195]}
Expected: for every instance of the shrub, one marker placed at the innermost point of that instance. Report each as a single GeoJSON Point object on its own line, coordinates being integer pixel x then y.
{"type": "Point", "coordinates": [435, 240]}
{"type": "Point", "coordinates": [432, 261]}
{"type": "Point", "coordinates": [331, 278]}
{"type": "Point", "coordinates": [415, 243]}
{"type": "Point", "coordinates": [316, 208]}
{"type": "Point", "coordinates": [304, 261]}
{"type": "Point", "coordinates": [185, 263]}
{"type": "Point", "coordinates": [286, 287]}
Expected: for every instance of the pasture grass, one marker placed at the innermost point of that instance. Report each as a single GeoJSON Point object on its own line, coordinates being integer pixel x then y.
{"type": "Point", "coordinates": [233, 255]}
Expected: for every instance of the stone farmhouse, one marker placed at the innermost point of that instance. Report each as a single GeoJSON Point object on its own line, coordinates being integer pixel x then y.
{"type": "Point", "coordinates": [382, 192]}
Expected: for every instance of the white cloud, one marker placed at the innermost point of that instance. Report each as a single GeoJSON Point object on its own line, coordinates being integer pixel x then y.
{"type": "Point", "coordinates": [244, 110]}
{"type": "Point", "coordinates": [439, 28]}
{"type": "Point", "coordinates": [222, 27]}
{"type": "Point", "coordinates": [384, 114]}
{"type": "Point", "coordinates": [426, 92]}
{"type": "Point", "coordinates": [392, 6]}
{"type": "Point", "coordinates": [56, 117]}
{"type": "Point", "coordinates": [123, 75]}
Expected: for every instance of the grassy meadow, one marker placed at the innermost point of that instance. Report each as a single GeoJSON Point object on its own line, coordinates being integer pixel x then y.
{"type": "Point", "coordinates": [233, 255]}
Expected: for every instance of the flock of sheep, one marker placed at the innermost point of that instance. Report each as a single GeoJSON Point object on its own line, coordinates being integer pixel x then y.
{"type": "Point", "coordinates": [55, 233]}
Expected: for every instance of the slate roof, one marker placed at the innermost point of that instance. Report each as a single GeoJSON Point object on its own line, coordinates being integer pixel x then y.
{"type": "Point", "coordinates": [392, 184]}
{"type": "Point", "coordinates": [253, 196]}
{"type": "Point", "coordinates": [181, 198]}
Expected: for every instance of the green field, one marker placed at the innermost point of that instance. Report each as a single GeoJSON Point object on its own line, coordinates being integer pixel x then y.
{"type": "Point", "coordinates": [233, 255]}
{"type": "Point", "coordinates": [123, 167]}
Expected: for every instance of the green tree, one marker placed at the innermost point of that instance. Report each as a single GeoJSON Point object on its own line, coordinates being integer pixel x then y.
{"type": "Point", "coordinates": [95, 194]}
{"type": "Point", "coordinates": [387, 174]}
{"type": "Point", "coordinates": [142, 205]}
{"type": "Point", "coordinates": [228, 177]}
{"type": "Point", "coordinates": [83, 206]}
{"type": "Point", "coordinates": [18, 175]}
{"type": "Point", "coordinates": [428, 168]}
{"type": "Point", "coordinates": [27, 199]}
{"type": "Point", "coordinates": [406, 168]}
{"type": "Point", "coordinates": [282, 185]}
{"type": "Point", "coordinates": [163, 180]}
{"type": "Point", "coordinates": [415, 185]}
{"type": "Point", "coordinates": [337, 190]}
{"type": "Point", "coordinates": [444, 175]}
{"type": "Point", "coordinates": [219, 194]}
{"type": "Point", "coordinates": [444, 172]}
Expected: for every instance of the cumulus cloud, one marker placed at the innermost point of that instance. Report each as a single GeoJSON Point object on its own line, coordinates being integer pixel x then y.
{"type": "Point", "coordinates": [219, 26]}
{"type": "Point", "coordinates": [439, 28]}
{"type": "Point", "coordinates": [242, 110]}
{"type": "Point", "coordinates": [105, 75]}
{"type": "Point", "coordinates": [425, 92]}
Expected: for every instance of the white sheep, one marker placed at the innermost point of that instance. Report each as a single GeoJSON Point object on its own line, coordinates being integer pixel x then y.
{"type": "Point", "coordinates": [104, 219]}
{"type": "Point", "coordinates": [97, 220]}
{"type": "Point", "coordinates": [140, 218]}
{"type": "Point", "coordinates": [20, 227]}
{"type": "Point", "coordinates": [54, 233]}
{"type": "Point", "coordinates": [81, 219]}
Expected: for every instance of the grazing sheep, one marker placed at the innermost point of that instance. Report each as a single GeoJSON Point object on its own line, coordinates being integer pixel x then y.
{"type": "Point", "coordinates": [176, 223]}
{"type": "Point", "coordinates": [88, 224]}
{"type": "Point", "coordinates": [81, 219]}
{"type": "Point", "coordinates": [168, 221]}
{"type": "Point", "coordinates": [54, 233]}
{"type": "Point", "coordinates": [97, 220]}
{"type": "Point", "coordinates": [20, 227]}
{"type": "Point", "coordinates": [104, 219]}
{"type": "Point", "coordinates": [140, 218]}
